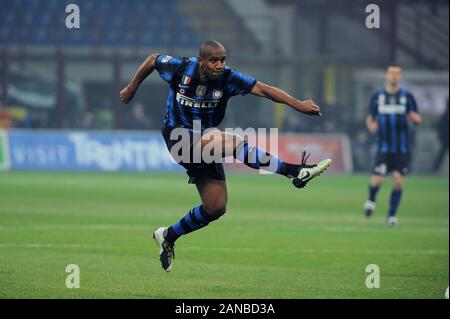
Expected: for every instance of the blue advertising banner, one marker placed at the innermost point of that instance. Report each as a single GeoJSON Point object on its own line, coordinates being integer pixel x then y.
{"type": "Point", "coordinates": [88, 151]}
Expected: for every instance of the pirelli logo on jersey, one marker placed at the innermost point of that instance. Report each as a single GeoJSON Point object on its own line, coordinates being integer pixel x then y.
{"type": "Point", "coordinates": [187, 101]}
{"type": "Point", "coordinates": [392, 109]}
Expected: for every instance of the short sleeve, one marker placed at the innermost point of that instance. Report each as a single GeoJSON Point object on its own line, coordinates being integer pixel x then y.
{"type": "Point", "coordinates": [373, 107]}
{"type": "Point", "coordinates": [411, 105]}
{"type": "Point", "coordinates": [239, 83]}
{"type": "Point", "coordinates": [167, 65]}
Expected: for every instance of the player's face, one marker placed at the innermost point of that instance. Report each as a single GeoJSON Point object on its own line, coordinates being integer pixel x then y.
{"type": "Point", "coordinates": [394, 75]}
{"type": "Point", "coordinates": [213, 63]}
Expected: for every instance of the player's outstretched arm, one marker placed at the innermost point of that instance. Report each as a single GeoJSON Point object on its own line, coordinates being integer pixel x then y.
{"type": "Point", "coordinates": [146, 68]}
{"type": "Point", "coordinates": [280, 96]}
{"type": "Point", "coordinates": [415, 117]}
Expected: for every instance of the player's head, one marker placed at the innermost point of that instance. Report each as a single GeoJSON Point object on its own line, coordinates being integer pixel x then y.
{"type": "Point", "coordinates": [211, 58]}
{"type": "Point", "coordinates": [393, 75]}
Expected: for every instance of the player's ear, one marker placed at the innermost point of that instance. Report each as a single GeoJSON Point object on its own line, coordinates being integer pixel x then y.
{"type": "Point", "coordinates": [200, 59]}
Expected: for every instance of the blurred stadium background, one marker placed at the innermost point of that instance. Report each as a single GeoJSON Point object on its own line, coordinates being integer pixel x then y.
{"type": "Point", "coordinates": [60, 78]}
{"type": "Point", "coordinates": [59, 105]}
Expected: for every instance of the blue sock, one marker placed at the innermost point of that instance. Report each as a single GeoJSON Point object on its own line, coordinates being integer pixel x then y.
{"type": "Point", "coordinates": [195, 219]}
{"type": "Point", "coordinates": [373, 190]}
{"type": "Point", "coordinates": [256, 158]}
{"type": "Point", "coordinates": [396, 196]}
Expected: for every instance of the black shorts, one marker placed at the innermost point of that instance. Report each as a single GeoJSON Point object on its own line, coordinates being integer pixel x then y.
{"type": "Point", "coordinates": [386, 163]}
{"type": "Point", "coordinates": [195, 171]}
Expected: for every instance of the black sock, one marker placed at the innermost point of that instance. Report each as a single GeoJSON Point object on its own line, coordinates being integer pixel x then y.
{"type": "Point", "coordinates": [373, 190]}
{"type": "Point", "coordinates": [170, 235]}
{"type": "Point", "coordinates": [289, 170]}
{"type": "Point", "coordinates": [195, 219]}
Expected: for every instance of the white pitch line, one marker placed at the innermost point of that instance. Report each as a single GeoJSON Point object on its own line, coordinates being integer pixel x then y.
{"type": "Point", "coordinates": [244, 249]}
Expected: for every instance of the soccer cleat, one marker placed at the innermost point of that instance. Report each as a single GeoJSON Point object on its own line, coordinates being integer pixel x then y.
{"type": "Point", "coordinates": [166, 249]}
{"type": "Point", "coordinates": [369, 207]}
{"type": "Point", "coordinates": [392, 221]}
{"type": "Point", "coordinates": [308, 172]}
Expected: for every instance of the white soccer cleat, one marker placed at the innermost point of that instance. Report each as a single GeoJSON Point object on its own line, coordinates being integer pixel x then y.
{"type": "Point", "coordinates": [308, 172]}
{"type": "Point", "coordinates": [166, 250]}
{"type": "Point", "coordinates": [369, 207]}
{"type": "Point", "coordinates": [392, 221]}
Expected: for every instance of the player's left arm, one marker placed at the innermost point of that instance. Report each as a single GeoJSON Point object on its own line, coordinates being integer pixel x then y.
{"type": "Point", "coordinates": [413, 114]}
{"type": "Point", "coordinates": [277, 95]}
{"type": "Point", "coordinates": [415, 117]}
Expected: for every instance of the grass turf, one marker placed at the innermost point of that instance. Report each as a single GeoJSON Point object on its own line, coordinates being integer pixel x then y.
{"type": "Point", "coordinates": [274, 242]}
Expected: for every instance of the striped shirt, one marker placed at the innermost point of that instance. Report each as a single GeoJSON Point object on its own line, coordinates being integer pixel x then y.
{"type": "Point", "coordinates": [391, 110]}
{"type": "Point", "coordinates": [190, 99]}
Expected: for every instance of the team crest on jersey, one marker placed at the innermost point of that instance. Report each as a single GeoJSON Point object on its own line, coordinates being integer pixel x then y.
{"type": "Point", "coordinates": [166, 59]}
{"type": "Point", "coordinates": [201, 90]}
{"type": "Point", "coordinates": [217, 94]}
{"type": "Point", "coordinates": [403, 100]}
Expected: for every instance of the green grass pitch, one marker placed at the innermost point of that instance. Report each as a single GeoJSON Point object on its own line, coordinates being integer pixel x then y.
{"type": "Point", "coordinates": [274, 242]}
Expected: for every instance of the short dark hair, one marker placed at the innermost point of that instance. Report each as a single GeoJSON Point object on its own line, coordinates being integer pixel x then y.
{"type": "Point", "coordinates": [206, 46]}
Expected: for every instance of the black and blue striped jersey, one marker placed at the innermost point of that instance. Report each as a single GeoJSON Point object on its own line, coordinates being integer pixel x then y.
{"type": "Point", "coordinates": [190, 99]}
{"type": "Point", "coordinates": [391, 110]}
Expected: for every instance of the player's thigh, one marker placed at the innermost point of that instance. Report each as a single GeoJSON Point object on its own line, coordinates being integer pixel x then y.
{"type": "Point", "coordinates": [401, 164]}
{"type": "Point", "coordinates": [214, 195]}
{"type": "Point", "coordinates": [217, 140]}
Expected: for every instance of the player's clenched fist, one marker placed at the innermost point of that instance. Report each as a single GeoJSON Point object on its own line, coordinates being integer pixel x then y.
{"type": "Point", "coordinates": [126, 95]}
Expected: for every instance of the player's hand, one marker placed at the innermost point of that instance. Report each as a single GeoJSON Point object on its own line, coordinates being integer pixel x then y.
{"type": "Point", "coordinates": [126, 95]}
{"type": "Point", "coordinates": [310, 107]}
{"type": "Point", "coordinates": [415, 118]}
{"type": "Point", "coordinates": [372, 127]}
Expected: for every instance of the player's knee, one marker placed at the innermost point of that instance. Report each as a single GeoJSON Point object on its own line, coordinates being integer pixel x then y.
{"type": "Point", "coordinates": [398, 180]}
{"type": "Point", "coordinates": [216, 209]}
{"type": "Point", "coordinates": [377, 180]}
{"type": "Point", "coordinates": [398, 185]}
{"type": "Point", "coordinates": [237, 139]}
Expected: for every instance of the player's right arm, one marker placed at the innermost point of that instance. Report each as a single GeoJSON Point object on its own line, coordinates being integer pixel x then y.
{"type": "Point", "coordinates": [371, 119]}
{"type": "Point", "coordinates": [146, 68]}
{"type": "Point", "coordinates": [372, 124]}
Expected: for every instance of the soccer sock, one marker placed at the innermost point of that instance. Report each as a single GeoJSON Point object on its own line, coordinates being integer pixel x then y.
{"type": "Point", "coordinates": [256, 158]}
{"type": "Point", "coordinates": [396, 196]}
{"type": "Point", "coordinates": [195, 219]}
{"type": "Point", "coordinates": [373, 190]}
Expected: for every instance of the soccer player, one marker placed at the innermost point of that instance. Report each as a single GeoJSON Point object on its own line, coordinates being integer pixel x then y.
{"type": "Point", "coordinates": [390, 109]}
{"type": "Point", "coordinates": [200, 88]}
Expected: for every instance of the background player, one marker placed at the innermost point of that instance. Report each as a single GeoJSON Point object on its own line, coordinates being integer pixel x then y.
{"type": "Point", "coordinates": [390, 109]}
{"type": "Point", "coordinates": [199, 90]}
